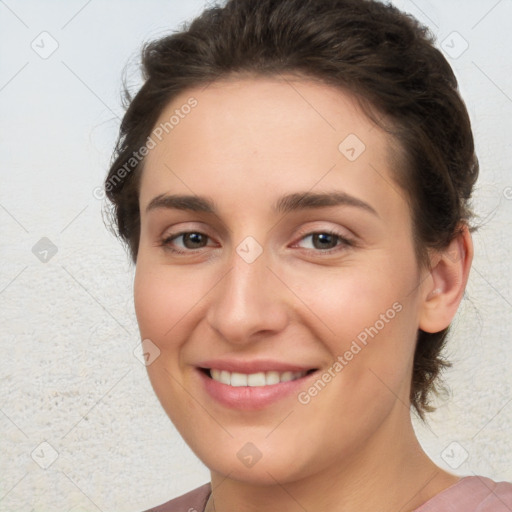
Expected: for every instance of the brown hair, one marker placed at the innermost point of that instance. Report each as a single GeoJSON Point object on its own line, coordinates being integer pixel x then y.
{"type": "Point", "coordinates": [384, 57]}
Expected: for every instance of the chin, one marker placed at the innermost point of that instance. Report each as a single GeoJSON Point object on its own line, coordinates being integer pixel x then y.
{"type": "Point", "coordinates": [259, 463]}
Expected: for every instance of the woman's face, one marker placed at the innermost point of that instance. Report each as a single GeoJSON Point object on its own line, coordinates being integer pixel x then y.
{"type": "Point", "coordinates": [299, 256]}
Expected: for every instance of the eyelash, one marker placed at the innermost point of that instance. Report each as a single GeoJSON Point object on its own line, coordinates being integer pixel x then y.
{"type": "Point", "coordinates": [344, 241]}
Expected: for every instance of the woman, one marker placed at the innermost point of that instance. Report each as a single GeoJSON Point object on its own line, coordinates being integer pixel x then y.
{"type": "Point", "coordinates": [292, 181]}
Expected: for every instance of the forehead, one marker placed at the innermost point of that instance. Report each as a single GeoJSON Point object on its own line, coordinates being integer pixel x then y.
{"type": "Point", "coordinates": [270, 134]}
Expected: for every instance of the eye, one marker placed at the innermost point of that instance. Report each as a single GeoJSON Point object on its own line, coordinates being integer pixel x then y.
{"type": "Point", "coordinates": [320, 241]}
{"type": "Point", "coordinates": [326, 241]}
{"type": "Point", "coordinates": [190, 240]}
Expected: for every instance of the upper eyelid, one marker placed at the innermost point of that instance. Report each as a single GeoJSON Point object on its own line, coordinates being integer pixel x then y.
{"type": "Point", "coordinates": [335, 231]}
{"type": "Point", "coordinates": [301, 231]}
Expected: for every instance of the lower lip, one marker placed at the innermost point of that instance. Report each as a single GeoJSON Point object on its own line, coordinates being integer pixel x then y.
{"type": "Point", "coordinates": [251, 397]}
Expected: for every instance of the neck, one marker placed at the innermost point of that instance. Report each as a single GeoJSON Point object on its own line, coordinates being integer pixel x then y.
{"type": "Point", "coordinates": [391, 469]}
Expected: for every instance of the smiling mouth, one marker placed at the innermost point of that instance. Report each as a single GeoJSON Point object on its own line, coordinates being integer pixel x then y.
{"type": "Point", "coordinates": [258, 379]}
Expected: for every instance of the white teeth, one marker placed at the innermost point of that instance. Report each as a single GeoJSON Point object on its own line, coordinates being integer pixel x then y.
{"type": "Point", "coordinates": [272, 378]}
{"type": "Point", "coordinates": [286, 376]}
{"type": "Point", "coordinates": [238, 379]}
{"type": "Point", "coordinates": [254, 379]}
{"type": "Point", "coordinates": [225, 377]}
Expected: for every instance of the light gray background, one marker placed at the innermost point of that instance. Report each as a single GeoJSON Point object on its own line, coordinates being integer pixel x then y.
{"type": "Point", "coordinates": [69, 377]}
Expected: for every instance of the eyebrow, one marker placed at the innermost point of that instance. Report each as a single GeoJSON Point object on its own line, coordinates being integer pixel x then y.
{"type": "Point", "coordinates": [288, 203]}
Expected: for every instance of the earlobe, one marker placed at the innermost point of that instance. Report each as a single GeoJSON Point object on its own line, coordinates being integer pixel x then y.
{"type": "Point", "coordinates": [448, 279]}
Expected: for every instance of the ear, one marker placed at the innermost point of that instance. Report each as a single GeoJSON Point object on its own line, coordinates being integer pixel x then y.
{"type": "Point", "coordinates": [444, 287]}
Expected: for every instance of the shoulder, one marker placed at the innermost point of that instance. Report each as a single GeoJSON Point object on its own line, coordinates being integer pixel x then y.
{"type": "Point", "coordinates": [496, 496]}
{"type": "Point", "coordinates": [193, 501]}
{"type": "Point", "coordinates": [472, 494]}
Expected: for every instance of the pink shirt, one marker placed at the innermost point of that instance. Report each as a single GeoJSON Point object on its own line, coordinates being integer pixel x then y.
{"type": "Point", "coordinates": [469, 494]}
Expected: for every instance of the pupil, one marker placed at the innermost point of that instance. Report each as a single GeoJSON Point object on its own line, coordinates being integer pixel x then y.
{"type": "Point", "coordinates": [194, 238]}
{"type": "Point", "coordinates": [325, 237]}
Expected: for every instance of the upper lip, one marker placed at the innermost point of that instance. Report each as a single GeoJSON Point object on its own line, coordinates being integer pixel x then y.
{"type": "Point", "coordinates": [254, 366]}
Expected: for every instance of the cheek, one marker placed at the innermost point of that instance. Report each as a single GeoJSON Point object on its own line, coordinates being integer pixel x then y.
{"type": "Point", "coordinates": [368, 317]}
{"type": "Point", "coordinates": [151, 302]}
{"type": "Point", "coordinates": [370, 372]}
{"type": "Point", "coordinates": [163, 297]}
{"type": "Point", "coordinates": [162, 300]}
{"type": "Point", "coordinates": [349, 299]}
{"type": "Point", "coordinates": [168, 302]}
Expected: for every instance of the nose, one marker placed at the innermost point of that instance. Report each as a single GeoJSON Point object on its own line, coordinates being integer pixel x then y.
{"type": "Point", "coordinates": [248, 303]}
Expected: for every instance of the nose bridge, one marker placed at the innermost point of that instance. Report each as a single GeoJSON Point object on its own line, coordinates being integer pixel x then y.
{"type": "Point", "coordinates": [247, 299]}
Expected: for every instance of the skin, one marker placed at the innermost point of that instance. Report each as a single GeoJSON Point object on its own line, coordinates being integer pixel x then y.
{"type": "Point", "coordinates": [246, 143]}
